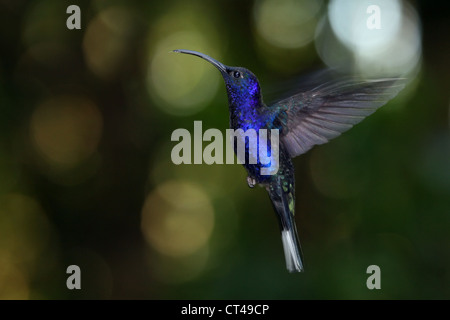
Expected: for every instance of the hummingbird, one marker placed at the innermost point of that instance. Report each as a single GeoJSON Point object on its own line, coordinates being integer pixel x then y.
{"type": "Point", "coordinates": [303, 119]}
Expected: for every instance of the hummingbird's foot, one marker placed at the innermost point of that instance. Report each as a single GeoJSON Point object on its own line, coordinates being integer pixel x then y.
{"type": "Point", "coordinates": [251, 182]}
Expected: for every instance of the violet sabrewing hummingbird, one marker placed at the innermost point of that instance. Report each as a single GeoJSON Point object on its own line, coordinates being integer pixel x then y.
{"type": "Point", "coordinates": [304, 119]}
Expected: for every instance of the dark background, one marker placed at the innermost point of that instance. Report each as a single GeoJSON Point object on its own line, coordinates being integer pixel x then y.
{"type": "Point", "coordinates": [86, 177]}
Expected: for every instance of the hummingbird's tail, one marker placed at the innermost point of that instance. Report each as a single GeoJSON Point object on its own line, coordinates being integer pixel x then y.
{"type": "Point", "coordinates": [284, 204]}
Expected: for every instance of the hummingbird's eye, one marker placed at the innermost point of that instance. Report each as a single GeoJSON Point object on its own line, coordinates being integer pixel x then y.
{"type": "Point", "coordinates": [236, 74]}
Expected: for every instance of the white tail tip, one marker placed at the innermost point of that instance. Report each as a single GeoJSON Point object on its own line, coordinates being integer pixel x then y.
{"type": "Point", "coordinates": [291, 252]}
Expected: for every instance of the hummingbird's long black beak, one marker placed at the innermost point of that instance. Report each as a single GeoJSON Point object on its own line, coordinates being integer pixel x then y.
{"type": "Point", "coordinates": [217, 64]}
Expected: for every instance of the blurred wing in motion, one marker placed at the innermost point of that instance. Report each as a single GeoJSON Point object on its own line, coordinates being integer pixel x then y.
{"type": "Point", "coordinates": [324, 112]}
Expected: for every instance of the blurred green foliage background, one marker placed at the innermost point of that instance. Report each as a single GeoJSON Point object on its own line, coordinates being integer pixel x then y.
{"type": "Point", "coordinates": [86, 177]}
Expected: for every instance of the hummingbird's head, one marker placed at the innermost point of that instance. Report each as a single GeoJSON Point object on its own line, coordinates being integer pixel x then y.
{"type": "Point", "coordinates": [242, 85]}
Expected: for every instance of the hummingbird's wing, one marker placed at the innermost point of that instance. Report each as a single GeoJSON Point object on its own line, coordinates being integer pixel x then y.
{"type": "Point", "coordinates": [324, 112]}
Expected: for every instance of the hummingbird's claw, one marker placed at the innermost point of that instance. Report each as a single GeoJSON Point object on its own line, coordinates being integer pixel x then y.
{"type": "Point", "coordinates": [251, 182]}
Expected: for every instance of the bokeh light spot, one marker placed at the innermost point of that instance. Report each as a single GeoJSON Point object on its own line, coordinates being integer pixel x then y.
{"type": "Point", "coordinates": [287, 23]}
{"type": "Point", "coordinates": [348, 19]}
{"type": "Point", "coordinates": [344, 40]}
{"type": "Point", "coordinates": [66, 130]}
{"type": "Point", "coordinates": [23, 226]}
{"type": "Point", "coordinates": [13, 282]}
{"type": "Point", "coordinates": [180, 84]}
{"type": "Point", "coordinates": [402, 55]}
{"type": "Point", "coordinates": [25, 232]}
{"type": "Point", "coordinates": [177, 218]}
{"type": "Point", "coordinates": [186, 84]}
{"type": "Point", "coordinates": [106, 41]}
